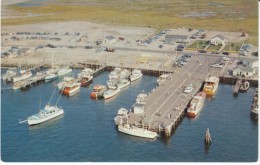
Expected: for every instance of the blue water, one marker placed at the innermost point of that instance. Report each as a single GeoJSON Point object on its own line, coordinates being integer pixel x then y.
{"type": "Point", "coordinates": [86, 132]}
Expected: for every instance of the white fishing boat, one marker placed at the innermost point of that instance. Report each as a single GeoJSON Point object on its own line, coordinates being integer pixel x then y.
{"type": "Point", "coordinates": [51, 73]}
{"type": "Point", "coordinates": [188, 89]}
{"type": "Point", "coordinates": [112, 83]}
{"type": "Point", "coordinates": [196, 104]}
{"type": "Point", "coordinates": [141, 98]}
{"type": "Point", "coordinates": [86, 71]}
{"type": "Point", "coordinates": [50, 77]}
{"type": "Point", "coordinates": [86, 79]}
{"type": "Point", "coordinates": [211, 85]}
{"type": "Point", "coordinates": [17, 85]}
{"type": "Point", "coordinates": [64, 71]}
{"type": "Point", "coordinates": [115, 74]}
{"type": "Point", "coordinates": [45, 114]}
{"type": "Point", "coordinates": [135, 131]}
{"type": "Point", "coordinates": [244, 86]}
{"type": "Point", "coordinates": [71, 89]}
{"type": "Point", "coordinates": [121, 113]}
{"type": "Point", "coordinates": [123, 83]}
{"type": "Point", "coordinates": [65, 80]}
{"type": "Point", "coordinates": [23, 75]}
{"type": "Point", "coordinates": [162, 79]}
{"type": "Point", "coordinates": [8, 75]}
{"type": "Point", "coordinates": [110, 93]}
{"type": "Point", "coordinates": [125, 74]}
{"type": "Point", "coordinates": [136, 74]}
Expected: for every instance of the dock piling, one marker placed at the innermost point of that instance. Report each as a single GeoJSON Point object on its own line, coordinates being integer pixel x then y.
{"type": "Point", "coordinates": [207, 137]}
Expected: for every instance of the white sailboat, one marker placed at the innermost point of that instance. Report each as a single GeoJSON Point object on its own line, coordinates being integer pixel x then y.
{"type": "Point", "coordinates": [51, 73]}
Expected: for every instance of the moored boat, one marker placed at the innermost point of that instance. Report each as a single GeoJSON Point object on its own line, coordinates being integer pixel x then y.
{"type": "Point", "coordinates": [121, 113]}
{"type": "Point", "coordinates": [45, 114]}
{"type": "Point", "coordinates": [136, 74]}
{"type": "Point", "coordinates": [135, 131]}
{"type": "Point", "coordinates": [64, 71]}
{"type": "Point", "coordinates": [254, 107]}
{"type": "Point", "coordinates": [9, 75]}
{"type": "Point", "coordinates": [86, 71]}
{"type": "Point", "coordinates": [211, 85]}
{"type": "Point", "coordinates": [23, 75]}
{"type": "Point", "coordinates": [86, 79]}
{"type": "Point", "coordinates": [50, 77]}
{"type": "Point", "coordinates": [110, 93]}
{"type": "Point", "coordinates": [162, 79]}
{"type": "Point", "coordinates": [98, 91]}
{"type": "Point", "coordinates": [196, 104]}
{"type": "Point", "coordinates": [123, 83]}
{"type": "Point", "coordinates": [71, 89]}
{"type": "Point", "coordinates": [65, 80]}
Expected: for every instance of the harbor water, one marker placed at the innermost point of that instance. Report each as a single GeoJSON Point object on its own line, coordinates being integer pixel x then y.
{"type": "Point", "coordinates": [87, 133]}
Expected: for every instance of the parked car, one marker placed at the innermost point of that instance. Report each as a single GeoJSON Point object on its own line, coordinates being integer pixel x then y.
{"type": "Point", "coordinates": [88, 47]}
{"type": "Point", "coordinates": [202, 51]}
{"type": "Point", "coordinates": [225, 53]}
{"type": "Point", "coordinates": [217, 65]}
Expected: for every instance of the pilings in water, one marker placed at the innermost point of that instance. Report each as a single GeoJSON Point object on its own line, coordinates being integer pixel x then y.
{"type": "Point", "coordinates": [237, 86]}
{"type": "Point", "coordinates": [207, 137]}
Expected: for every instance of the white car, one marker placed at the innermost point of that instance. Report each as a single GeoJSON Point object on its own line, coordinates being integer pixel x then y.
{"type": "Point", "coordinates": [225, 58]}
{"type": "Point", "coordinates": [217, 66]}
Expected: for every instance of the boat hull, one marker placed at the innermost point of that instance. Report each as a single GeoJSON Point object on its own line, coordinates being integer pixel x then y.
{"type": "Point", "coordinates": [139, 132]}
{"type": "Point", "coordinates": [134, 78]}
{"type": "Point", "coordinates": [64, 72]}
{"type": "Point", "coordinates": [86, 83]}
{"type": "Point", "coordinates": [39, 121]}
{"type": "Point", "coordinates": [20, 78]}
{"type": "Point", "coordinates": [120, 86]}
{"type": "Point", "coordinates": [71, 92]}
{"type": "Point", "coordinates": [50, 77]}
{"type": "Point", "coordinates": [110, 95]}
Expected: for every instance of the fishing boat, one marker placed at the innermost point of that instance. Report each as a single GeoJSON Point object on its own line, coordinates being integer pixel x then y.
{"type": "Point", "coordinates": [135, 131]}
{"type": "Point", "coordinates": [123, 83]}
{"type": "Point", "coordinates": [86, 71]}
{"type": "Point", "coordinates": [121, 113]}
{"type": "Point", "coordinates": [98, 91]}
{"type": "Point", "coordinates": [141, 98]}
{"type": "Point", "coordinates": [110, 93]}
{"type": "Point", "coordinates": [9, 74]}
{"type": "Point", "coordinates": [65, 80]}
{"type": "Point", "coordinates": [112, 83]}
{"type": "Point", "coordinates": [162, 79]}
{"type": "Point", "coordinates": [136, 74]}
{"type": "Point", "coordinates": [64, 71]}
{"type": "Point", "coordinates": [45, 114]}
{"type": "Point", "coordinates": [124, 74]}
{"type": "Point", "coordinates": [196, 104]}
{"type": "Point", "coordinates": [86, 79]}
{"type": "Point", "coordinates": [244, 86]}
{"type": "Point", "coordinates": [23, 75]}
{"type": "Point", "coordinates": [188, 89]}
{"type": "Point", "coordinates": [115, 74]}
{"type": "Point", "coordinates": [211, 85]}
{"type": "Point", "coordinates": [17, 85]}
{"type": "Point", "coordinates": [51, 73]}
{"type": "Point", "coordinates": [71, 89]}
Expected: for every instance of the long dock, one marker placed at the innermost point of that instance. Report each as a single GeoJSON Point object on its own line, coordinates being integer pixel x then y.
{"type": "Point", "coordinates": [166, 104]}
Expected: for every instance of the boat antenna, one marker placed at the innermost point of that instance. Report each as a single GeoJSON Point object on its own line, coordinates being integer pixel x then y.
{"type": "Point", "coordinates": [58, 99]}
{"type": "Point", "coordinates": [52, 96]}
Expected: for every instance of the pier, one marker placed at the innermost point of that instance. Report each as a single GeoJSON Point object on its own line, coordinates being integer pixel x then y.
{"type": "Point", "coordinates": [166, 104]}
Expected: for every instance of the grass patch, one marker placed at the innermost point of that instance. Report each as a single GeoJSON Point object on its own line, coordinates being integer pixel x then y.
{"type": "Point", "coordinates": [233, 47]}
{"type": "Point", "coordinates": [199, 44]}
{"type": "Point", "coordinates": [163, 14]}
{"type": "Point", "coordinates": [214, 47]}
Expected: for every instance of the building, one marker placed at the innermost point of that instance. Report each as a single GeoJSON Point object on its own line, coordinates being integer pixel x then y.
{"type": "Point", "coordinates": [218, 40]}
{"type": "Point", "coordinates": [169, 38]}
{"type": "Point", "coordinates": [246, 68]}
{"type": "Point", "coordinates": [110, 39]}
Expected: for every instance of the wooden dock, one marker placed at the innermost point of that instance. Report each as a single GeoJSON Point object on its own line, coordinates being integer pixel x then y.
{"type": "Point", "coordinates": [166, 104]}
{"type": "Point", "coordinates": [25, 84]}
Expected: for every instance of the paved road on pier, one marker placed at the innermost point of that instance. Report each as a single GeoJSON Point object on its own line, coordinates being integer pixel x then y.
{"type": "Point", "coordinates": [169, 99]}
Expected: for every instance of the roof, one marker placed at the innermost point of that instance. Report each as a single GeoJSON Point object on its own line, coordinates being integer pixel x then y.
{"type": "Point", "coordinates": [110, 37]}
{"type": "Point", "coordinates": [170, 36]}
{"type": "Point", "coordinates": [250, 60]}
{"type": "Point", "coordinates": [219, 36]}
{"type": "Point", "coordinates": [23, 50]}
{"type": "Point", "coordinates": [244, 69]}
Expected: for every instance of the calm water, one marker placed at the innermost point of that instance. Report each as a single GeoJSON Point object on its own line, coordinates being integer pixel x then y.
{"type": "Point", "coordinates": [86, 132]}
